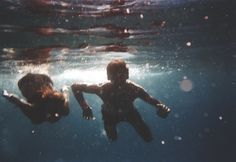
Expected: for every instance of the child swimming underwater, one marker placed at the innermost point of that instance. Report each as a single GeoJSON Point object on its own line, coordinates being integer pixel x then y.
{"type": "Point", "coordinates": [118, 96]}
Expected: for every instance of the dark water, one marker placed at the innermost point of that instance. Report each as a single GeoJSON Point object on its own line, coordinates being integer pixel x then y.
{"type": "Point", "coordinates": [182, 52]}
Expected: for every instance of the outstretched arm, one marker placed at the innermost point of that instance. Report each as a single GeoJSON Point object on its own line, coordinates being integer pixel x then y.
{"type": "Point", "coordinates": [16, 100]}
{"type": "Point", "coordinates": [162, 110]}
{"type": "Point", "coordinates": [25, 107]}
{"type": "Point", "coordinates": [78, 90]}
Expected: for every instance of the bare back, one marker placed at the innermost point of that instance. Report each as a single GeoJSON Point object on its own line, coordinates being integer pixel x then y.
{"type": "Point", "coordinates": [119, 97]}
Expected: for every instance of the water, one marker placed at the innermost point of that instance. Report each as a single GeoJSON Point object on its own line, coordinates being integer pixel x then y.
{"type": "Point", "coordinates": [181, 52]}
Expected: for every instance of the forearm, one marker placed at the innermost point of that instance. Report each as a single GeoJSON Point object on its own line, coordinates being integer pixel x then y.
{"type": "Point", "coordinates": [141, 93]}
{"type": "Point", "coordinates": [162, 110]}
{"type": "Point", "coordinates": [151, 100]}
{"type": "Point", "coordinates": [18, 102]}
{"type": "Point", "coordinates": [159, 105]}
{"type": "Point", "coordinates": [77, 91]}
{"type": "Point", "coordinates": [79, 88]}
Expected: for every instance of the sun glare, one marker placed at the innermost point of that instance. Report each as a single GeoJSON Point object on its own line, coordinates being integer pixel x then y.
{"type": "Point", "coordinates": [92, 75]}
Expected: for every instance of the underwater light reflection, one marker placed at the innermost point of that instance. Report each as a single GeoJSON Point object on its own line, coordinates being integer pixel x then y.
{"type": "Point", "coordinates": [92, 75]}
{"type": "Point", "coordinates": [31, 68]}
{"type": "Point", "coordinates": [99, 75]}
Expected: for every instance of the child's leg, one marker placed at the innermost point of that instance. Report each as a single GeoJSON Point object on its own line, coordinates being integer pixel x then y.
{"type": "Point", "coordinates": [139, 125]}
{"type": "Point", "coordinates": [110, 122]}
{"type": "Point", "coordinates": [110, 129]}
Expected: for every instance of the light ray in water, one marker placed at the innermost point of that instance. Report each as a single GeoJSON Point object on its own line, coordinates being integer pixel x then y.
{"type": "Point", "coordinates": [92, 75]}
{"type": "Point", "coordinates": [31, 68]}
{"type": "Point", "coordinates": [98, 74]}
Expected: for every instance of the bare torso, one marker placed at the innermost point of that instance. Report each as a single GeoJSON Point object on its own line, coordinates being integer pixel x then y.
{"type": "Point", "coordinates": [118, 97]}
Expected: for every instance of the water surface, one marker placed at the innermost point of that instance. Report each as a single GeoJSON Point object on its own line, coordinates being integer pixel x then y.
{"type": "Point", "coordinates": [181, 51]}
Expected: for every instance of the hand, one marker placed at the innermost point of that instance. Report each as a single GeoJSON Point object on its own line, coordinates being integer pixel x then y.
{"type": "Point", "coordinates": [6, 94]}
{"type": "Point", "coordinates": [163, 110]}
{"type": "Point", "coordinates": [65, 88]}
{"type": "Point", "coordinates": [88, 114]}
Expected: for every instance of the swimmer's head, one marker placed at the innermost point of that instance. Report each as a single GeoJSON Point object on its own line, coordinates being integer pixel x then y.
{"type": "Point", "coordinates": [117, 70]}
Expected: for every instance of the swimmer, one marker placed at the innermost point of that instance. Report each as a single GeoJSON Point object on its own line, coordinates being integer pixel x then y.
{"type": "Point", "coordinates": [43, 102]}
{"type": "Point", "coordinates": [118, 96]}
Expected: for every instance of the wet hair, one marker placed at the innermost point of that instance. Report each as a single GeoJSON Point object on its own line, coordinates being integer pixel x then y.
{"type": "Point", "coordinates": [117, 69]}
{"type": "Point", "coordinates": [34, 80]}
{"type": "Point", "coordinates": [54, 97]}
{"type": "Point", "coordinates": [35, 86]}
{"type": "Point", "coordinates": [55, 102]}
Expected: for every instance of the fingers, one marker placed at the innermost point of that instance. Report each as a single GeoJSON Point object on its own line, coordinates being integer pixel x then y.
{"type": "Point", "coordinates": [5, 93]}
{"type": "Point", "coordinates": [88, 114]}
{"type": "Point", "coordinates": [168, 110]}
{"type": "Point", "coordinates": [89, 117]}
{"type": "Point", "coordinates": [65, 88]}
{"type": "Point", "coordinates": [163, 110]}
{"type": "Point", "coordinates": [164, 107]}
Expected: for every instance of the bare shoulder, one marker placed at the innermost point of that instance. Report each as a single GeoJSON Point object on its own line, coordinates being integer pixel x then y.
{"type": "Point", "coordinates": [136, 89]}
{"type": "Point", "coordinates": [134, 85]}
{"type": "Point", "coordinates": [105, 85]}
{"type": "Point", "coordinates": [89, 88]}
